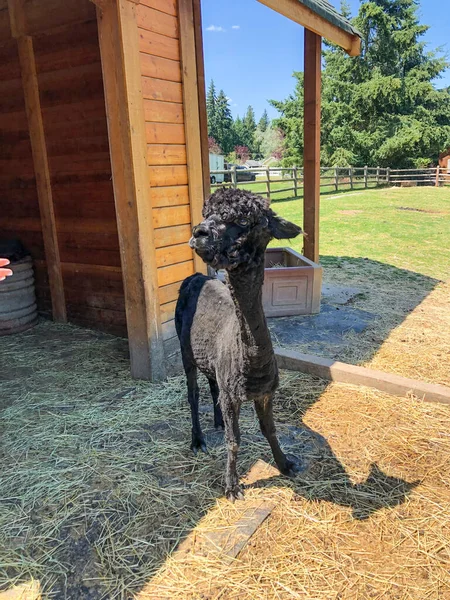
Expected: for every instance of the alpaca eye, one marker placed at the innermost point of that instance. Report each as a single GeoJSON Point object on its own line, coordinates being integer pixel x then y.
{"type": "Point", "coordinates": [243, 222]}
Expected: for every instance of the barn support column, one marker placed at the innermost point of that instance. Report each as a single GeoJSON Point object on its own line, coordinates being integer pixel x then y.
{"type": "Point", "coordinates": [40, 157]}
{"type": "Point", "coordinates": [119, 48]}
{"type": "Point", "coordinates": [311, 153]}
{"type": "Point", "coordinates": [192, 122]}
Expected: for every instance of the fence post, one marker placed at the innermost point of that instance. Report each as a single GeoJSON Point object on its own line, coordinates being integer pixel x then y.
{"type": "Point", "coordinates": [268, 182]}
{"type": "Point", "coordinates": [233, 177]}
{"type": "Point", "coordinates": [294, 175]}
{"type": "Point", "coordinates": [336, 178]}
{"type": "Point", "coordinates": [366, 175]}
{"type": "Point", "coordinates": [437, 176]}
{"type": "Point", "coordinates": [350, 171]}
{"type": "Point", "coordinates": [388, 175]}
{"type": "Point", "coordinates": [378, 176]}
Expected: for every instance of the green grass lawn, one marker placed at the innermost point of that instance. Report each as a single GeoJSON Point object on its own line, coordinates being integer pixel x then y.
{"type": "Point", "coordinates": [408, 228]}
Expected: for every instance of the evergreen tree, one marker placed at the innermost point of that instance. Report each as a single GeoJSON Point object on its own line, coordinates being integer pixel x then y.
{"type": "Point", "coordinates": [224, 123]}
{"type": "Point", "coordinates": [211, 110]}
{"type": "Point", "coordinates": [381, 107]}
{"type": "Point", "coordinates": [239, 133]}
{"type": "Point", "coordinates": [264, 122]}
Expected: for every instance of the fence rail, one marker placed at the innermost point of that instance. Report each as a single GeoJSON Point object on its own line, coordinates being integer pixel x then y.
{"type": "Point", "coordinates": [269, 179]}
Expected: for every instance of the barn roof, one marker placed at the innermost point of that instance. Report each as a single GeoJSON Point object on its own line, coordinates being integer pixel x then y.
{"type": "Point", "coordinates": [328, 12]}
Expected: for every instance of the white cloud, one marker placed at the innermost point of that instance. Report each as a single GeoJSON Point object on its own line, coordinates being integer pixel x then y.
{"type": "Point", "coordinates": [235, 27]}
{"type": "Point", "coordinates": [215, 28]}
{"type": "Point", "coordinates": [229, 99]}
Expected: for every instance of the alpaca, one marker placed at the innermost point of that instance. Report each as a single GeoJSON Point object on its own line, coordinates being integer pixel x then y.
{"type": "Point", "coordinates": [222, 328]}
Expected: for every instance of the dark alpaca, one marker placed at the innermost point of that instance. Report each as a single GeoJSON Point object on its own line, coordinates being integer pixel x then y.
{"type": "Point", "coordinates": [222, 328]}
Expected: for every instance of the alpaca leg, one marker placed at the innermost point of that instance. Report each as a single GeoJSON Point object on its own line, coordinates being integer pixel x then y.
{"type": "Point", "coordinates": [218, 419]}
{"type": "Point", "coordinates": [288, 466]}
{"type": "Point", "coordinates": [230, 412]}
{"type": "Point", "coordinates": [198, 441]}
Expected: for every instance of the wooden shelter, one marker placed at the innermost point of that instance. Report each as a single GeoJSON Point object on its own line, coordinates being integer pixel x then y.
{"type": "Point", "coordinates": [104, 155]}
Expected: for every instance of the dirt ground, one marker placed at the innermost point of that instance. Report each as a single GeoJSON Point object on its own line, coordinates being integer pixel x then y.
{"type": "Point", "coordinates": [99, 487]}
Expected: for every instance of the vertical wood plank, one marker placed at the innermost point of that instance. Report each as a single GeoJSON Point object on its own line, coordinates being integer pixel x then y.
{"type": "Point", "coordinates": [119, 48]}
{"type": "Point", "coordinates": [191, 116]}
{"type": "Point", "coordinates": [311, 158]}
{"type": "Point", "coordinates": [202, 97]}
{"type": "Point", "coordinates": [40, 158]}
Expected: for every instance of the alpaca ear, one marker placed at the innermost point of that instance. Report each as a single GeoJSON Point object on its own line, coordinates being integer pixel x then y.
{"type": "Point", "coordinates": [282, 229]}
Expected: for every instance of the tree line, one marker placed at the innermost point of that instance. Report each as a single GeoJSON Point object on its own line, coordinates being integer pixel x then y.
{"type": "Point", "coordinates": [241, 138]}
{"type": "Point", "coordinates": [380, 108]}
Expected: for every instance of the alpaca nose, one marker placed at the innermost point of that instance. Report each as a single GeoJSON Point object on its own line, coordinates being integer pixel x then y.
{"type": "Point", "coordinates": [201, 230]}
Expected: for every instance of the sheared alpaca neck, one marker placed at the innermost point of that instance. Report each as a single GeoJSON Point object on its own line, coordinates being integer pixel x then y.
{"type": "Point", "coordinates": [259, 361]}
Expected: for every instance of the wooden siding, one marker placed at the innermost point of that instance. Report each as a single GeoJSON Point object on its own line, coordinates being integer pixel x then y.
{"type": "Point", "coordinates": [73, 109]}
{"type": "Point", "coordinates": [162, 89]}
{"type": "Point", "coordinates": [19, 204]}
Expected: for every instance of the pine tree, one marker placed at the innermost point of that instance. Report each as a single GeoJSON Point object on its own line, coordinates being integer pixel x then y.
{"type": "Point", "coordinates": [211, 110]}
{"type": "Point", "coordinates": [224, 123]}
{"type": "Point", "coordinates": [264, 122]}
{"type": "Point", "coordinates": [381, 107]}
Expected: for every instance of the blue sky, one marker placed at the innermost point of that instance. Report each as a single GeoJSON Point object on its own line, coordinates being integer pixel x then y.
{"type": "Point", "coordinates": [251, 51]}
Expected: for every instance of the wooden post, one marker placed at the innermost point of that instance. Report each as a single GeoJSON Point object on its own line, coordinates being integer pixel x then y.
{"type": "Point", "coordinates": [268, 182]}
{"type": "Point", "coordinates": [388, 175]}
{"type": "Point", "coordinates": [378, 176]}
{"type": "Point", "coordinates": [437, 176]}
{"type": "Point", "coordinates": [350, 172]}
{"type": "Point", "coordinates": [336, 178]}
{"type": "Point", "coordinates": [202, 97]}
{"type": "Point", "coordinates": [311, 155]}
{"type": "Point", "coordinates": [195, 158]}
{"type": "Point", "coordinates": [366, 175]}
{"type": "Point", "coordinates": [119, 49]}
{"type": "Point", "coordinates": [40, 158]}
{"type": "Point", "coordinates": [233, 177]}
{"type": "Point", "coordinates": [295, 175]}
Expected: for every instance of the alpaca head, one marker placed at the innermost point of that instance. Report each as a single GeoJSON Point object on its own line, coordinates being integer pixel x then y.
{"type": "Point", "coordinates": [236, 229]}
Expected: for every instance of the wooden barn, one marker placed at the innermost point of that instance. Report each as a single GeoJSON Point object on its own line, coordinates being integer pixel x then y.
{"type": "Point", "coordinates": [104, 156]}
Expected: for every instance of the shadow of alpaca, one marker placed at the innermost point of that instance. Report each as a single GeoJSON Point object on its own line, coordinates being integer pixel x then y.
{"type": "Point", "coordinates": [324, 478]}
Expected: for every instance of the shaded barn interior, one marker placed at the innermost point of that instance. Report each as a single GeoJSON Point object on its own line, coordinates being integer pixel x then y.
{"type": "Point", "coordinates": [72, 101]}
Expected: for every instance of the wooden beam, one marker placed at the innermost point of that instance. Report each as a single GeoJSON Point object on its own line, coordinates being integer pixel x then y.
{"type": "Point", "coordinates": [119, 48]}
{"type": "Point", "coordinates": [311, 152]}
{"type": "Point", "coordinates": [301, 14]}
{"type": "Point", "coordinates": [191, 116]}
{"type": "Point", "coordinates": [326, 368]}
{"type": "Point", "coordinates": [40, 157]}
{"type": "Point", "coordinates": [202, 97]}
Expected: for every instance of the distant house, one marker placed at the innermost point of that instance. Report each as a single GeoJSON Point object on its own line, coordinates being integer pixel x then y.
{"type": "Point", "coordinates": [444, 160]}
{"type": "Point", "coordinates": [253, 164]}
{"type": "Point", "coordinates": [269, 161]}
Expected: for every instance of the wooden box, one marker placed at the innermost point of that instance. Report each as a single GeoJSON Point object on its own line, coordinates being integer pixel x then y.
{"type": "Point", "coordinates": [292, 284]}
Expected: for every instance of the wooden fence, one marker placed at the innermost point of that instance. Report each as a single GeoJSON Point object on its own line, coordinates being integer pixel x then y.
{"type": "Point", "coordinates": [270, 182]}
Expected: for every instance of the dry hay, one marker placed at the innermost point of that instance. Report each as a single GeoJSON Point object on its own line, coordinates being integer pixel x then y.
{"type": "Point", "coordinates": [98, 485]}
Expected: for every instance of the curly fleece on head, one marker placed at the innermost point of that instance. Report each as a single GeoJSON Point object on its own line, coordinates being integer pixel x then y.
{"type": "Point", "coordinates": [230, 204]}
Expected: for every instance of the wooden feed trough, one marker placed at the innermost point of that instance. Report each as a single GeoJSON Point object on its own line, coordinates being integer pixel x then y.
{"type": "Point", "coordinates": [104, 155]}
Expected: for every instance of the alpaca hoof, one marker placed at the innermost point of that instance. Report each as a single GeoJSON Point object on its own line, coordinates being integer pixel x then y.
{"type": "Point", "coordinates": [199, 445]}
{"type": "Point", "coordinates": [234, 493]}
{"type": "Point", "coordinates": [293, 466]}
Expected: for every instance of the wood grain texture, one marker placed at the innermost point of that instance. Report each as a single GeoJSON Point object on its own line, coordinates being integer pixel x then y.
{"type": "Point", "coordinates": [173, 254]}
{"type": "Point", "coordinates": [171, 236]}
{"type": "Point", "coordinates": [311, 164]}
{"type": "Point", "coordinates": [119, 44]}
{"type": "Point", "coordinates": [156, 21]}
{"type": "Point", "coordinates": [41, 167]}
{"type": "Point", "coordinates": [163, 154]}
{"type": "Point", "coordinates": [170, 216]}
{"type": "Point", "coordinates": [160, 68]}
{"type": "Point", "coordinates": [159, 89]}
{"type": "Point", "coordinates": [169, 293]}
{"type": "Point", "coordinates": [163, 112]}
{"type": "Point", "coordinates": [165, 133]}
{"type": "Point", "coordinates": [192, 116]}
{"type": "Point", "coordinates": [166, 6]}
{"type": "Point", "coordinates": [159, 45]}
{"type": "Point", "coordinates": [168, 175]}
{"type": "Point", "coordinates": [170, 196]}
